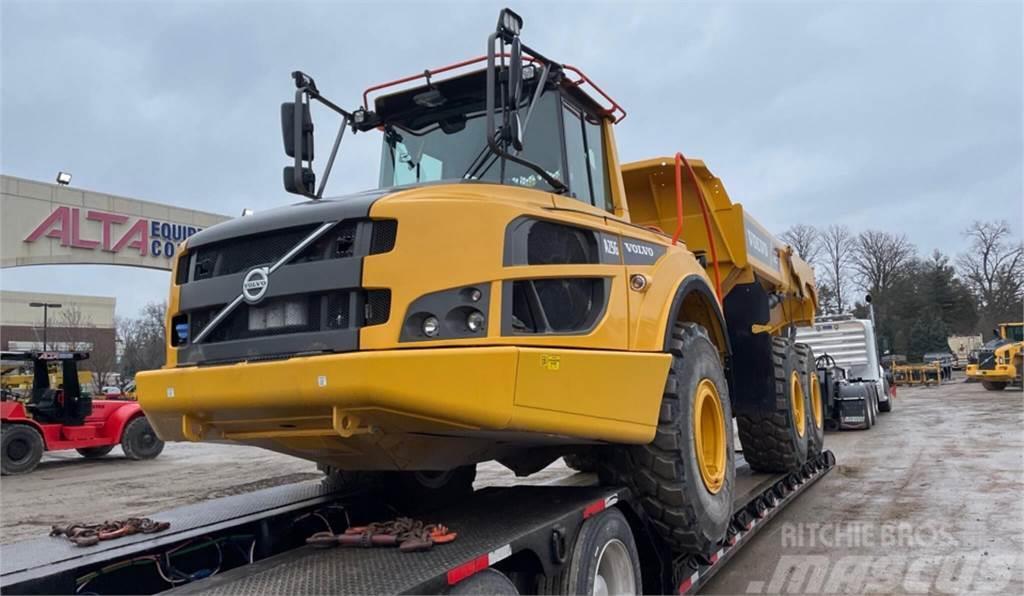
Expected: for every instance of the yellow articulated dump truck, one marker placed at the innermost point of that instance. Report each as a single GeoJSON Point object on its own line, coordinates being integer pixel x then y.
{"type": "Point", "coordinates": [1000, 362]}
{"type": "Point", "coordinates": [509, 292]}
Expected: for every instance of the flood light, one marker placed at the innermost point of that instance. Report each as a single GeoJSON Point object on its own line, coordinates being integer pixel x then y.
{"type": "Point", "coordinates": [63, 178]}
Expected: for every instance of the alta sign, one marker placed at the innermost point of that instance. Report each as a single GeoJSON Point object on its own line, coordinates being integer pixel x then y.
{"type": "Point", "coordinates": [144, 236]}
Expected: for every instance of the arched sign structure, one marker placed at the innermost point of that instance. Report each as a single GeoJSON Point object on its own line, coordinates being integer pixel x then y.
{"type": "Point", "coordinates": [48, 224]}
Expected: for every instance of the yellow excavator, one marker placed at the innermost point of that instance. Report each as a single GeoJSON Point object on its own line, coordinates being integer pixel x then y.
{"type": "Point", "coordinates": [998, 364]}
{"type": "Point", "coordinates": [510, 291]}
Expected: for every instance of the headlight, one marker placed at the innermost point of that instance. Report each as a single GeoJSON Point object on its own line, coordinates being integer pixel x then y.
{"type": "Point", "coordinates": [431, 326]}
{"type": "Point", "coordinates": [475, 321]}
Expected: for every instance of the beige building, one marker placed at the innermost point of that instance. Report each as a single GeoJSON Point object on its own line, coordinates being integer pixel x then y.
{"type": "Point", "coordinates": [80, 323]}
{"type": "Point", "coordinates": [43, 224]}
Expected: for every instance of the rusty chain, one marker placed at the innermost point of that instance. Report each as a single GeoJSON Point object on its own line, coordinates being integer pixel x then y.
{"type": "Point", "coordinates": [92, 534]}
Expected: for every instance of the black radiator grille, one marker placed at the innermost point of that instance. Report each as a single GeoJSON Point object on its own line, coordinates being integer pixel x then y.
{"type": "Point", "coordinates": [243, 253]}
{"type": "Point", "coordinates": [324, 311]}
{"type": "Point", "coordinates": [240, 254]}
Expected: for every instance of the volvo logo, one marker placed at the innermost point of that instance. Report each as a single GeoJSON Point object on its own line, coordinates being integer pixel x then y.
{"type": "Point", "coordinates": [254, 286]}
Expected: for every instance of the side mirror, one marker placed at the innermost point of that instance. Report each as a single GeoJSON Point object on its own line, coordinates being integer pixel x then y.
{"type": "Point", "coordinates": [297, 129]}
{"type": "Point", "coordinates": [515, 73]}
{"type": "Point", "coordinates": [867, 298]}
{"type": "Point", "coordinates": [301, 181]}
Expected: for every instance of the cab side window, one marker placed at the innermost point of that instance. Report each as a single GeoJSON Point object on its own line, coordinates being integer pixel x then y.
{"type": "Point", "coordinates": [585, 156]}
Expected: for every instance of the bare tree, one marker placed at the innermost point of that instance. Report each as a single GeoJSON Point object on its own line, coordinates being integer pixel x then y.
{"type": "Point", "coordinates": [805, 241]}
{"type": "Point", "coordinates": [143, 340]}
{"type": "Point", "coordinates": [879, 258]}
{"type": "Point", "coordinates": [836, 245]}
{"type": "Point", "coordinates": [993, 269]}
{"type": "Point", "coordinates": [76, 332]}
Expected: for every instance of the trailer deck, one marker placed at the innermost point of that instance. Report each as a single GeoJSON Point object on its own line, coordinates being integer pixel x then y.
{"type": "Point", "coordinates": [531, 527]}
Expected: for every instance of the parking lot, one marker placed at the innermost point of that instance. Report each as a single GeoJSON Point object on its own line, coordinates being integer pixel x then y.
{"type": "Point", "coordinates": [927, 501]}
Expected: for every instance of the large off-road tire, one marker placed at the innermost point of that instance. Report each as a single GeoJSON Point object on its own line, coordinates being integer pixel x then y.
{"type": "Point", "coordinates": [22, 448]}
{"type": "Point", "coordinates": [409, 492]}
{"type": "Point", "coordinates": [139, 440]}
{"type": "Point", "coordinates": [685, 477]}
{"type": "Point", "coordinates": [777, 442]}
{"type": "Point", "coordinates": [885, 406]}
{"type": "Point", "coordinates": [95, 452]}
{"type": "Point", "coordinates": [993, 385]}
{"type": "Point", "coordinates": [581, 462]}
{"type": "Point", "coordinates": [604, 560]}
{"type": "Point", "coordinates": [815, 406]}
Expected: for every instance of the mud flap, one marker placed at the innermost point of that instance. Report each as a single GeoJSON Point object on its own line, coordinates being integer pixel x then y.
{"type": "Point", "coordinates": [751, 376]}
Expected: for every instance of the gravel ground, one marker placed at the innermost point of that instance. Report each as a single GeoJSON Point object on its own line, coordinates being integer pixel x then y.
{"type": "Point", "coordinates": [929, 501]}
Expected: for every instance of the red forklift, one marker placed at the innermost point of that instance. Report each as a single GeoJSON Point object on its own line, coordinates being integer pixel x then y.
{"type": "Point", "coordinates": [63, 417]}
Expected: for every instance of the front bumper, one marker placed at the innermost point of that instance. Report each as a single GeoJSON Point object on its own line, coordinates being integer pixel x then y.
{"type": "Point", "coordinates": [380, 395]}
{"type": "Point", "coordinates": [1001, 372]}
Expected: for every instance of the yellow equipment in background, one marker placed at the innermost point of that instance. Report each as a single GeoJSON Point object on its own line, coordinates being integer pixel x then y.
{"type": "Point", "coordinates": [999, 362]}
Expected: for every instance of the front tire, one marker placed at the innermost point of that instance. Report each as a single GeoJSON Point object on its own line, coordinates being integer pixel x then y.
{"type": "Point", "coordinates": [139, 440]}
{"type": "Point", "coordinates": [581, 462]}
{"type": "Point", "coordinates": [993, 385]}
{"type": "Point", "coordinates": [777, 442]}
{"type": "Point", "coordinates": [22, 448]}
{"type": "Point", "coordinates": [94, 452]}
{"type": "Point", "coordinates": [488, 582]}
{"type": "Point", "coordinates": [685, 476]}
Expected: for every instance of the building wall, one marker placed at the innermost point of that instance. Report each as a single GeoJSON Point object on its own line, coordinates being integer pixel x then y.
{"type": "Point", "coordinates": [21, 326]}
{"type": "Point", "coordinates": [43, 223]}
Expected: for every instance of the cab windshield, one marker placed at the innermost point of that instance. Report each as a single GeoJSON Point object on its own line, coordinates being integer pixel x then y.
{"type": "Point", "coordinates": [455, 148]}
{"type": "Point", "coordinates": [1014, 332]}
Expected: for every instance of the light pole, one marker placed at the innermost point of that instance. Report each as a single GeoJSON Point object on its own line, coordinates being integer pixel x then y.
{"type": "Point", "coordinates": [46, 306]}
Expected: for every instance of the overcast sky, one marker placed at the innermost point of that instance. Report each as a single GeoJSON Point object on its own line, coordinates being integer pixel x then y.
{"type": "Point", "coordinates": [901, 116]}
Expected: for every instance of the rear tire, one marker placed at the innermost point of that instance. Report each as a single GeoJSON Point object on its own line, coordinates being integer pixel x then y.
{"type": "Point", "coordinates": [815, 407]}
{"type": "Point", "coordinates": [139, 440]}
{"type": "Point", "coordinates": [885, 406]}
{"type": "Point", "coordinates": [604, 560]}
{"type": "Point", "coordinates": [993, 385]}
{"type": "Point", "coordinates": [94, 452]}
{"type": "Point", "coordinates": [777, 442]}
{"type": "Point", "coordinates": [22, 448]}
{"type": "Point", "coordinates": [686, 489]}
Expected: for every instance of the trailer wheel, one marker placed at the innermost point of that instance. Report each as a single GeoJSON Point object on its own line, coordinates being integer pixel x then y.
{"type": "Point", "coordinates": [139, 440]}
{"type": "Point", "coordinates": [95, 452]}
{"type": "Point", "coordinates": [22, 449]}
{"type": "Point", "coordinates": [777, 442]}
{"type": "Point", "coordinates": [885, 406]}
{"type": "Point", "coordinates": [685, 476]}
{"type": "Point", "coordinates": [815, 405]}
{"type": "Point", "coordinates": [993, 385]}
{"type": "Point", "coordinates": [604, 560]}
{"type": "Point", "coordinates": [487, 582]}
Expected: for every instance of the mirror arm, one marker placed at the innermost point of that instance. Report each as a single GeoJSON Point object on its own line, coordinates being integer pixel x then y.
{"type": "Point", "coordinates": [542, 82]}
{"type": "Point", "coordinates": [334, 153]}
{"type": "Point", "coordinates": [495, 147]}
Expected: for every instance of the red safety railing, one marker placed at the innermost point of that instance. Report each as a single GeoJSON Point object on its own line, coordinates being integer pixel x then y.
{"type": "Point", "coordinates": [615, 110]}
{"type": "Point", "coordinates": [680, 160]}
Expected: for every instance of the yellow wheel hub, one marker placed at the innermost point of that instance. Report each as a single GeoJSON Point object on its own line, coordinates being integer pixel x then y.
{"type": "Point", "coordinates": [709, 436]}
{"type": "Point", "coordinates": [816, 408]}
{"type": "Point", "coordinates": [796, 399]}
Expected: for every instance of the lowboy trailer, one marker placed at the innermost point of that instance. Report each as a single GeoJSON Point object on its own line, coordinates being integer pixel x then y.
{"type": "Point", "coordinates": [570, 537]}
